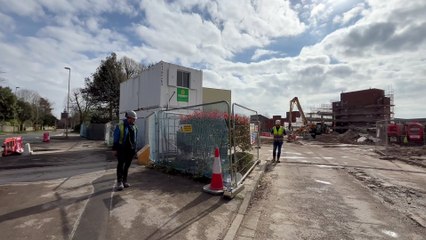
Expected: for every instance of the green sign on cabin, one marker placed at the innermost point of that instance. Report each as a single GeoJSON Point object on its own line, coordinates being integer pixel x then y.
{"type": "Point", "coordinates": [182, 94]}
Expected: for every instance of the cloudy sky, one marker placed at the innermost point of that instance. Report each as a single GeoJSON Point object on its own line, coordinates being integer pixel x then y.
{"type": "Point", "coordinates": [265, 51]}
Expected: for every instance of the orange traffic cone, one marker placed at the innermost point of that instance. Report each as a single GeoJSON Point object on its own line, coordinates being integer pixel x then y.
{"type": "Point", "coordinates": [216, 184]}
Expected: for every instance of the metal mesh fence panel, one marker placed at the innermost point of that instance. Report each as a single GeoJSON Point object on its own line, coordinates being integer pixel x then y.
{"type": "Point", "coordinates": [381, 145]}
{"type": "Point", "coordinates": [186, 138]}
{"type": "Point", "coordinates": [245, 142]}
{"type": "Point", "coordinates": [151, 135]}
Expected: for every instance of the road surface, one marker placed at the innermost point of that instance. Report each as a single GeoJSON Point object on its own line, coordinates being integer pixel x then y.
{"type": "Point", "coordinates": [336, 192]}
{"type": "Point", "coordinates": [66, 191]}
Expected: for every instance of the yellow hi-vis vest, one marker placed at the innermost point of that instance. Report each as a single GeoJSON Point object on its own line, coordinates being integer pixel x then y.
{"type": "Point", "coordinates": [121, 127]}
{"type": "Point", "coordinates": [278, 133]}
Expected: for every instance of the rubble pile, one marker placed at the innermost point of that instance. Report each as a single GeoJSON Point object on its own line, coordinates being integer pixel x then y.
{"type": "Point", "coordinates": [410, 151]}
{"type": "Point", "coordinates": [348, 137]}
{"type": "Point", "coordinates": [415, 155]}
{"type": "Point", "coordinates": [411, 154]}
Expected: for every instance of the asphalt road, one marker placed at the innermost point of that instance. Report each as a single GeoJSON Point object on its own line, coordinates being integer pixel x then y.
{"type": "Point", "coordinates": [31, 137]}
{"type": "Point", "coordinates": [65, 191]}
{"type": "Point", "coordinates": [48, 188]}
{"type": "Point", "coordinates": [336, 192]}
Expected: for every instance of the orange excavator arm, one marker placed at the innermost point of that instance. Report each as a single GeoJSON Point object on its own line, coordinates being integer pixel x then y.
{"type": "Point", "coordinates": [293, 101]}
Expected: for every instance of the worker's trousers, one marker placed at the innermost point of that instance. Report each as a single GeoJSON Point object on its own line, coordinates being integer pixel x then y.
{"type": "Point", "coordinates": [277, 149]}
{"type": "Point", "coordinates": [124, 161]}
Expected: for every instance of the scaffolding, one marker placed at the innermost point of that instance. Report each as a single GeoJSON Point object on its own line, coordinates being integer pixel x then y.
{"type": "Point", "coordinates": [321, 114]}
{"type": "Point", "coordinates": [363, 109]}
{"type": "Point", "coordinates": [390, 94]}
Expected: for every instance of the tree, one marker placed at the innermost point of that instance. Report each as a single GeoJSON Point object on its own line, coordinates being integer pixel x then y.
{"type": "Point", "coordinates": [24, 112]}
{"type": "Point", "coordinates": [131, 68]}
{"type": "Point", "coordinates": [7, 103]}
{"type": "Point", "coordinates": [81, 104]}
{"type": "Point", "coordinates": [28, 96]}
{"type": "Point", "coordinates": [49, 120]}
{"type": "Point", "coordinates": [45, 112]}
{"type": "Point", "coordinates": [103, 88]}
{"type": "Point", "coordinates": [41, 108]}
{"type": "Point", "coordinates": [2, 79]}
{"type": "Point", "coordinates": [33, 99]}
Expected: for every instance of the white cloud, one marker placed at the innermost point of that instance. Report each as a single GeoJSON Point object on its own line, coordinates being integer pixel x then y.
{"type": "Point", "coordinates": [262, 52]}
{"type": "Point", "coordinates": [7, 23]}
{"type": "Point", "coordinates": [92, 24]}
{"type": "Point", "coordinates": [22, 8]}
{"type": "Point", "coordinates": [227, 31]}
{"type": "Point", "coordinates": [385, 47]}
{"type": "Point", "coordinates": [349, 15]}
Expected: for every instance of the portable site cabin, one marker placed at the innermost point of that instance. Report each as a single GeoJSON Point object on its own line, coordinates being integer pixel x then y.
{"type": "Point", "coordinates": [161, 86]}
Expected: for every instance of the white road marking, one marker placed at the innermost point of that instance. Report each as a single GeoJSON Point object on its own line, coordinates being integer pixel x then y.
{"type": "Point", "coordinates": [324, 182]}
{"type": "Point", "coordinates": [294, 153]}
{"type": "Point", "coordinates": [77, 222]}
{"type": "Point", "coordinates": [325, 166]}
{"type": "Point", "coordinates": [390, 233]}
{"type": "Point", "coordinates": [110, 200]}
{"type": "Point", "coordinates": [294, 157]}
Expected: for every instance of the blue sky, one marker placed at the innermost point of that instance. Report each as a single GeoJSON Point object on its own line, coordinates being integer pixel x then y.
{"type": "Point", "coordinates": [265, 51]}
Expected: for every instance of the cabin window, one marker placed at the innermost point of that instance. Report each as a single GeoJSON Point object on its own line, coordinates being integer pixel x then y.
{"type": "Point", "coordinates": [183, 79]}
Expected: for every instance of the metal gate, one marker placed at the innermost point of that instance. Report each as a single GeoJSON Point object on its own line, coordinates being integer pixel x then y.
{"type": "Point", "coordinates": [186, 138]}
{"type": "Point", "coordinates": [245, 142]}
{"type": "Point", "coordinates": [381, 134]}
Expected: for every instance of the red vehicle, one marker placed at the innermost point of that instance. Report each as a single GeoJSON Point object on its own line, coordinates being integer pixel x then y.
{"type": "Point", "coordinates": [415, 133]}
{"type": "Point", "coordinates": [396, 133]}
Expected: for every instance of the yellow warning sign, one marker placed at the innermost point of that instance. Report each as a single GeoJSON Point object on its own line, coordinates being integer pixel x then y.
{"type": "Point", "coordinates": [186, 128]}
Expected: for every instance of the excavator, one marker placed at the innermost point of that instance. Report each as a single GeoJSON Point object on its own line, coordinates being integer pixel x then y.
{"type": "Point", "coordinates": [306, 128]}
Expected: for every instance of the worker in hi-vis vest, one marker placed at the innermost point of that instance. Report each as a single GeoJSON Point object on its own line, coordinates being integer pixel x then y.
{"type": "Point", "coordinates": [278, 131]}
{"type": "Point", "coordinates": [124, 147]}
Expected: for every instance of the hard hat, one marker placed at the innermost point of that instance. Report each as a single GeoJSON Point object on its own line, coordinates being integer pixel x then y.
{"type": "Point", "coordinates": [131, 114]}
{"type": "Point", "coordinates": [277, 121]}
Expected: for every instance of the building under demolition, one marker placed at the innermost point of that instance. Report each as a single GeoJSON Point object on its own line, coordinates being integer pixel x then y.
{"type": "Point", "coordinates": [362, 109]}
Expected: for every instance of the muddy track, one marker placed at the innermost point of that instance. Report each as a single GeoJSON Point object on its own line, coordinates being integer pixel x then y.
{"type": "Point", "coordinates": [409, 201]}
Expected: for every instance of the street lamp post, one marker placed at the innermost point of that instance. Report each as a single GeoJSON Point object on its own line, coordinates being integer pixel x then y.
{"type": "Point", "coordinates": [68, 101]}
{"type": "Point", "coordinates": [14, 113]}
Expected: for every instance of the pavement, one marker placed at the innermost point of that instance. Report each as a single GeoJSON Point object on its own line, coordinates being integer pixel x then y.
{"type": "Point", "coordinates": [65, 190]}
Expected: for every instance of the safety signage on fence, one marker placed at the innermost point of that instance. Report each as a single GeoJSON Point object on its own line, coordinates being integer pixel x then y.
{"type": "Point", "coordinates": [186, 128]}
{"type": "Point", "coordinates": [253, 133]}
{"type": "Point", "coordinates": [182, 94]}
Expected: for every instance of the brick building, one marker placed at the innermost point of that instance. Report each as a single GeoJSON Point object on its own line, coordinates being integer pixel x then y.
{"type": "Point", "coordinates": [362, 109]}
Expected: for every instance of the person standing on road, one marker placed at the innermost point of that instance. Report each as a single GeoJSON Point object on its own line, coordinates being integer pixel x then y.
{"type": "Point", "coordinates": [124, 147]}
{"type": "Point", "coordinates": [278, 131]}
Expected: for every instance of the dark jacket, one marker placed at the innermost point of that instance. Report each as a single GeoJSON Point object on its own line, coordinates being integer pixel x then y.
{"type": "Point", "coordinates": [122, 138]}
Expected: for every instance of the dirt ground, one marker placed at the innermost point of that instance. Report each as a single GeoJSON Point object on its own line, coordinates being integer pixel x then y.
{"type": "Point", "coordinates": [333, 190]}
{"type": "Point", "coordinates": [411, 154]}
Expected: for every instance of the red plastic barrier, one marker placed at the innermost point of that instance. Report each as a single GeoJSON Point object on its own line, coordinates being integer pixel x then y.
{"type": "Point", "coordinates": [19, 146]}
{"type": "Point", "coordinates": [265, 134]}
{"type": "Point", "coordinates": [46, 137]}
{"type": "Point", "coordinates": [12, 145]}
{"type": "Point", "coordinates": [8, 146]}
